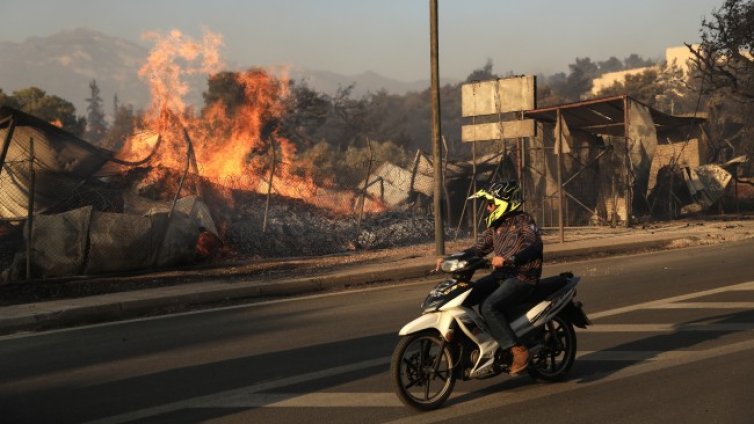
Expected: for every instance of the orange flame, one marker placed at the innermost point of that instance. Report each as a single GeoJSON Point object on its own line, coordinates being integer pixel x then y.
{"type": "Point", "coordinates": [174, 57]}
{"type": "Point", "coordinates": [232, 147]}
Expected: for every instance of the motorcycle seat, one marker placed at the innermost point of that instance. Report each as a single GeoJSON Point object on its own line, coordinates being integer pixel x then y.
{"type": "Point", "coordinates": [548, 286]}
{"type": "Point", "coordinates": [544, 288]}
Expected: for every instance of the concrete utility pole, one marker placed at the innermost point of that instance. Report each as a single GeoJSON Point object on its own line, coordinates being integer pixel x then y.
{"type": "Point", "coordinates": [436, 131]}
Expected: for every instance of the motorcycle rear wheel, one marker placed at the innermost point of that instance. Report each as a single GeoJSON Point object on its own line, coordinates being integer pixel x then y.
{"type": "Point", "coordinates": [558, 353]}
{"type": "Point", "coordinates": [422, 371]}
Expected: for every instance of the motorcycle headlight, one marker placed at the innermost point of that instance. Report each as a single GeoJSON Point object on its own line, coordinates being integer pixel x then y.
{"type": "Point", "coordinates": [453, 265]}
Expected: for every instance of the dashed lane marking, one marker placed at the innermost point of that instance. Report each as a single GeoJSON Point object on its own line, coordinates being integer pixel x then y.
{"type": "Point", "coordinates": [703, 305]}
{"type": "Point", "coordinates": [307, 400]}
{"type": "Point", "coordinates": [647, 361]}
{"type": "Point", "coordinates": [501, 399]}
{"type": "Point", "coordinates": [749, 285]}
{"type": "Point", "coordinates": [261, 387]}
{"type": "Point", "coordinates": [666, 328]}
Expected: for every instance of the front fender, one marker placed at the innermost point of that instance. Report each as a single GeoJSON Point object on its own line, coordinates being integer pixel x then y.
{"type": "Point", "coordinates": [434, 320]}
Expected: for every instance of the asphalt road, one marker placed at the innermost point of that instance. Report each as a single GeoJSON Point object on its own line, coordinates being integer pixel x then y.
{"type": "Point", "coordinates": [673, 342]}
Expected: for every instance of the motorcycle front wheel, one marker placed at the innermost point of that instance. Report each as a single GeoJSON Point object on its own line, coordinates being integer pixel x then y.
{"type": "Point", "coordinates": [553, 361]}
{"type": "Point", "coordinates": [422, 371]}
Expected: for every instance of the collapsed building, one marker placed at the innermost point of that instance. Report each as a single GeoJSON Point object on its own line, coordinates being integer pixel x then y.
{"type": "Point", "coordinates": [413, 189]}
{"type": "Point", "coordinates": [619, 159]}
{"type": "Point", "coordinates": [608, 159]}
{"type": "Point", "coordinates": [80, 224]}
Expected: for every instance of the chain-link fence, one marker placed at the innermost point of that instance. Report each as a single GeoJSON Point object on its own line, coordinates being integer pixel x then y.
{"type": "Point", "coordinates": [46, 171]}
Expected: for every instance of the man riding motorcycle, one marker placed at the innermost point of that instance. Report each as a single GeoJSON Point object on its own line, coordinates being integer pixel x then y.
{"type": "Point", "coordinates": [513, 237]}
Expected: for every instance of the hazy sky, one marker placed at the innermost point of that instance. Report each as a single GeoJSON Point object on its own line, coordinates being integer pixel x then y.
{"type": "Point", "coordinates": [390, 37]}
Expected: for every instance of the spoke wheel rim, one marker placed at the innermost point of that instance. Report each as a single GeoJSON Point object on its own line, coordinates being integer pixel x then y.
{"type": "Point", "coordinates": [419, 380]}
{"type": "Point", "coordinates": [554, 355]}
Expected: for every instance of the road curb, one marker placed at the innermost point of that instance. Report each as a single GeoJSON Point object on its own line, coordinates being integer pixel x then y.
{"type": "Point", "coordinates": [146, 302]}
{"type": "Point", "coordinates": [591, 251]}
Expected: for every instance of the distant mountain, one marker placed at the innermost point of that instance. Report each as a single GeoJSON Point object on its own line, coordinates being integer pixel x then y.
{"type": "Point", "coordinates": [366, 82]}
{"type": "Point", "coordinates": [65, 63]}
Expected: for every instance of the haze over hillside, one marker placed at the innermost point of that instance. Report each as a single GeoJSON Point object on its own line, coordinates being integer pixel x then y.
{"type": "Point", "coordinates": [65, 63]}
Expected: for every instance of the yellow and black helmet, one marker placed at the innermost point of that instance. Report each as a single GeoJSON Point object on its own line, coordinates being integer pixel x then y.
{"type": "Point", "coordinates": [506, 195]}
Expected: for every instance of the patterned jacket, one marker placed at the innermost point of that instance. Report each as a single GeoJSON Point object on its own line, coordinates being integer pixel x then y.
{"type": "Point", "coordinates": [517, 239]}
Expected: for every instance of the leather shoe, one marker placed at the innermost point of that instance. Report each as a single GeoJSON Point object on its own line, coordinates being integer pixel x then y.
{"type": "Point", "coordinates": [520, 359]}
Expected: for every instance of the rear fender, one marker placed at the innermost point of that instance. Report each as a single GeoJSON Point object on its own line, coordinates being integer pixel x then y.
{"type": "Point", "coordinates": [574, 314]}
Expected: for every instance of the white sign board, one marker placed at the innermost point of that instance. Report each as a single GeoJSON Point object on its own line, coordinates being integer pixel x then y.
{"type": "Point", "coordinates": [498, 96]}
{"type": "Point", "coordinates": [498, 130]}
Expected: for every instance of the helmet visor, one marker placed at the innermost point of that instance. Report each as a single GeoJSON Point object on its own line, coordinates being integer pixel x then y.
{"type": "Point", "coordinates": [501, 207]}
{"type": "Point", "coordinates": [482, 194]}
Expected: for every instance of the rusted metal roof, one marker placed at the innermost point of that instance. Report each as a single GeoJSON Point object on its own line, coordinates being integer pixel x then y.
{"type": "Point", "coordinates": [605, 115]}
{"type": "Point", "coordinates": [62, 163]}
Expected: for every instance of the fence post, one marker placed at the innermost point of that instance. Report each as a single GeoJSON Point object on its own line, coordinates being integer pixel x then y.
{"type": "Point", "coordinates": [545, 221]}
{"type": "Point", "coordinates": [192, 162]}
{"type": "Point", "coordinates": [269, 188]}
{"type": "Point", "coordinates": [735, 189]}
{"type": "Point", "coordinates": [627, 161]}
{"type": "Point", "coordinates": [6, 142]}
{"type": "Point", "coordinates": [445, 182]}
{"type": "Point", "coordinates": [366, 182]}
{"type": "Point", "coordinates": [30, 211]}
{"type": "Point", "coordinates": [520, 162]}
{"type": "Point", "coordinates": [189, 148]}
{"type": "Point", "coordinates": [474, 189]}
{"type": "Point", "coordinates": [614, 192]}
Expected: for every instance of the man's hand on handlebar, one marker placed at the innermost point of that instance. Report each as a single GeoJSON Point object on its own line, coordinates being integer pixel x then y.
{"type": "Point", "coordinates": [438, 262]}
{"type": "Point", "coordinates": [497, 262]}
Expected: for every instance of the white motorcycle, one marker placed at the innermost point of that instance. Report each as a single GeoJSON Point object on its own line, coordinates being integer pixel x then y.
{"type": "Point", "coordinates": [450, 339]}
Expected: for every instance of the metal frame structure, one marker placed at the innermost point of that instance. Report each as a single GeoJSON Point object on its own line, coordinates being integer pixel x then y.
{"type": "Point", "coordinates": [609, 119]}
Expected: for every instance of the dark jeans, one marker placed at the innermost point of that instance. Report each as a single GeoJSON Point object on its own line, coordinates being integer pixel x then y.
{"type": "Point", "coordinates": [509, 292]}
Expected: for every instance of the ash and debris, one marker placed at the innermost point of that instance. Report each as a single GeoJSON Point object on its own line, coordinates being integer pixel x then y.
{"type": "Point", "coordinates": [295, 228]}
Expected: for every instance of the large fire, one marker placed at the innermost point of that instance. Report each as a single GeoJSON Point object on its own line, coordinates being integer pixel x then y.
{"type": "Point", "coordinates": [238, 145]}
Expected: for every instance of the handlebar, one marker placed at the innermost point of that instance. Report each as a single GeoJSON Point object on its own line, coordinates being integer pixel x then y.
{"type": "Point", "coordinates": [431, 272]}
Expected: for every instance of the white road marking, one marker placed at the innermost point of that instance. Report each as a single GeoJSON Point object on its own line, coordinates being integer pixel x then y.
{"type": "Point", "coordinates": [630, 355]}
{"type": "Point", "coordinates": [216, 397]}
{"type": "Point", "coordinates": [248, 399]}
{"type": "Point", "coordinates": [390, 400]}
{"type": "Point", "coordinates": [666, 328]}
{"type": "Point", "coordinates": [703, 305]}
{"type": "Point", "coordinates": [647, 361]}
{"type": "Point", "coordinates": [500, 399]}
{"type": "Point", "coordinates": [308, 400]}
{"type": "Point", "coordinates": [749, 285]}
